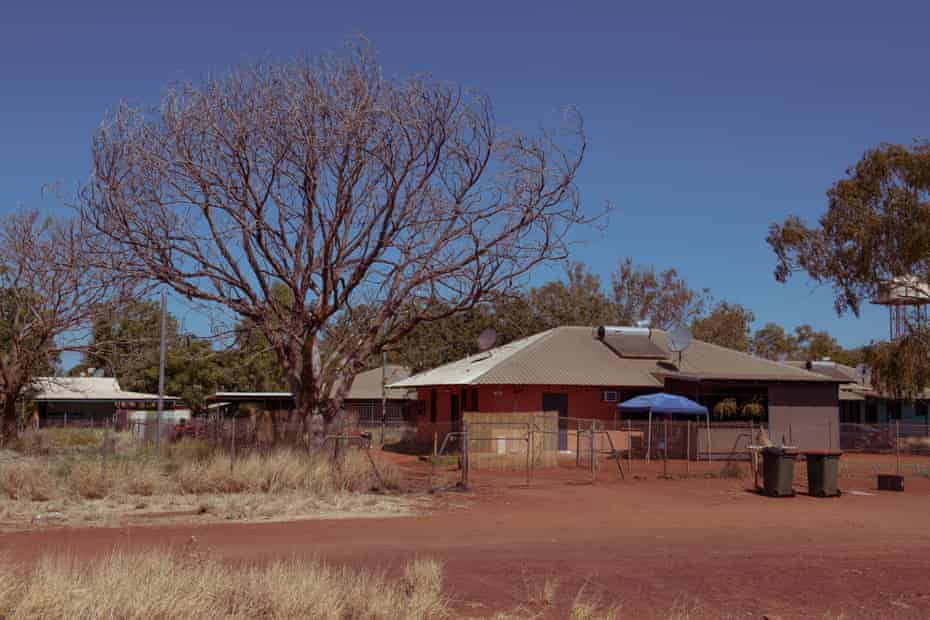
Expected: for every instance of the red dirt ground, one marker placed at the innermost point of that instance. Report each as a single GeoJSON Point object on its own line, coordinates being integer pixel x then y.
{"type": "Point", "coordinates": [646, 543]}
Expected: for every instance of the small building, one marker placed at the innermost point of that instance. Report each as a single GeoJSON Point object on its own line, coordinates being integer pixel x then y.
{"type": "Point", "coordinates": [583, 373]}
{"type": "Point", "coordinates": [861, 403]}
{"type": "Point", "coordinates": [363, 399]}
{"type": "Point", "coordinates": [93, 401]}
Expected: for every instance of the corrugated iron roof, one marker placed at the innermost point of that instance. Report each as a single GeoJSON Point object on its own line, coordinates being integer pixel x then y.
{"type": "Point", "coordinates": [573, 356]}
{"type": "Point", "coordinates": [365, 386]}
{"type": "Point", "coordinates": [85, 389]}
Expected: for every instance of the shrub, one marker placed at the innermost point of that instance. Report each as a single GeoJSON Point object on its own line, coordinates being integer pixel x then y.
{"type": "Point", "coordinates": [30, 481]}
{"type": "Point", "coordinates": [89, 480]}
{"type": "Point", "coordinates": [141, 479]}
{"type": "Point", "coordinates": [731, 471]}
{"type": "Point", "coordinates": [30, 444]}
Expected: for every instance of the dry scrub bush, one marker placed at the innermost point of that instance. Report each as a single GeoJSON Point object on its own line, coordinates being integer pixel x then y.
{"type": "Point", "coordinates": [160, 584]}
{"type": "Point", "coordinates": [88, 479]}
{"type": "Point", "coordinates": [28, 481]}
{"type": "Point", "coordinates": [141, 478]}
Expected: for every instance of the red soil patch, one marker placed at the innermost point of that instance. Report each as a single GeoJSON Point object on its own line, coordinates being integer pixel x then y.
{"type": "Point", "coordinates": [645, 543]}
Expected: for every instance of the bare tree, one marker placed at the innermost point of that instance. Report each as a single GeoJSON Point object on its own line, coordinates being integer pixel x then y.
{"type": "Point", "coordinates": [352, 190]}
{"type": "Point", "coordinates": [664, 299]}
{"type": "Point", "coordinates": [49, 295]}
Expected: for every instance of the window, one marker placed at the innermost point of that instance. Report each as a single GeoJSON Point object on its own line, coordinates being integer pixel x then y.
{"type": "Point", "coordinates": [609, 396]}
{"type": "Point", "coordinates": [920, 408]}
{"type": "Point", "coordinates": [474, 399]}
{"type": "Point", "coordinates": [894, 410]}
{"type": "Point", "coordinates": [432, 405]}
{"type": "Point", "coordinates": [849, 412]}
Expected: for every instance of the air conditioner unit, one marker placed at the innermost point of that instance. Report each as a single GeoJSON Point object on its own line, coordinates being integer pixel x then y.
{"type": "Point", "coordinates": [609, 396]}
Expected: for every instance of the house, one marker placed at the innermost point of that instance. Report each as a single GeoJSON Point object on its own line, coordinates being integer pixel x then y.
{"type": "Point", "coordinates": [583, 373]}
{"type": "Point", "coordinates": [861, 403]}
{"type": "Point", "coordinates": [363, 399]}
{"type": "Point", "coordinates": [93, 401]}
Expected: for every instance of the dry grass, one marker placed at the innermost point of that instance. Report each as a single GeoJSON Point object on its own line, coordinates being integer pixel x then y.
{"type": "Point", "coordinates": [57, 440]}
{"type": "Point", "coordinates": [541, 591]}
{"type": "Point", "coordinates": [45, 478]}
{"type": "Point", "coordinates": [82, 483]}
{"type": "Point", "coordinates": [161, 584]}
{"type": "Point", "coordinates": [188, 584]}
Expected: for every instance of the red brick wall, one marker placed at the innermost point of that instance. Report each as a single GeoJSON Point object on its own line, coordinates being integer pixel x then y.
{"type": "Point", "coordinates": [583, 402]}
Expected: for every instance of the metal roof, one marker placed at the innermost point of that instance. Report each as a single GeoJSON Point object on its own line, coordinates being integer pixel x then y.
{"type": "Point", "coordinates": [853, 386]}
{"type": "Point", "coordinates": [61, 389]}
{"type": "Point", "coordinates": [573, 356]}
{"type": "Point", "coordinates": [365, 386]}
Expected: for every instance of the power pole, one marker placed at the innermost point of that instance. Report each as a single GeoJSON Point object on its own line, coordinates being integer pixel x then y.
{"type": "Point", "coordinates": [383, 393]}
{"type": "Point", "coordinates": [161, 374]}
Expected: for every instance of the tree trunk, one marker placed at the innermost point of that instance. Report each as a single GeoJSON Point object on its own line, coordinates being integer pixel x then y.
{"type": "Point", "coordinates": [9, 430]}
{"type": "Point", "coordinates": [322, 419]}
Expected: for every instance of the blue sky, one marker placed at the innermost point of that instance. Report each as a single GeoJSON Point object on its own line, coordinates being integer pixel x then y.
{"type": "Point", "coordinates": [707, 121]}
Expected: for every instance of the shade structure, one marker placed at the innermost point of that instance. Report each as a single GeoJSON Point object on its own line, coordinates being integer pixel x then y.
{"type": "Point", "coordinates": [660, 402]}
{"type": "Point", "coordinates": [668, 404]}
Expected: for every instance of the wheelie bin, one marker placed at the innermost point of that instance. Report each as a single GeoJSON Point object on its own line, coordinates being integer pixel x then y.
{"type": "Point", "coordinates": [823, 467]}
{"type": "Point", "coordinates": [778, 471]}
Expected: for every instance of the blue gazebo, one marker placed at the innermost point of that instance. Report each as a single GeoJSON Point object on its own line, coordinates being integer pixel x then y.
{"type": "Point", "coordinates": [669, 404]}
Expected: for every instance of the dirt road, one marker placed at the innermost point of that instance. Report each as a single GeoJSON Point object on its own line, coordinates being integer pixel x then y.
{"type": "Point", "coordinates": [647, 544]}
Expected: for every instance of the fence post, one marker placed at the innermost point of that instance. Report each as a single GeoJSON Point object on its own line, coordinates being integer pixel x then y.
{"type": "Point", "coordinates": [688, 455]}
{"type": "Point", "coordinates": [629, 445]}
{"type": "Point", "coordinates": [897, 446]}
{"type": "Point", "coordinates": [232, 453]}
{"type": "Point", "coordinates": [593, 456]}
{"type": "Point", "coordinates": [464, 444]}
{"type": "Point", "coordinates": [106, 446]}
{"type": "Point", "coordinates": [528, 440]}
{"type": "Point", "coordinates": [531, 448]}
{"type": "Point", "coordinates": [577, 445]}
{"type": "Point", "coordinates": [665, 452]}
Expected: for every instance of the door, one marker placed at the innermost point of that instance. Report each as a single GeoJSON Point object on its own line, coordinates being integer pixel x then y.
{"type": "Point", "coordinates": [558, 402]}
{"type": "Point", "coordinates": [454, 411]}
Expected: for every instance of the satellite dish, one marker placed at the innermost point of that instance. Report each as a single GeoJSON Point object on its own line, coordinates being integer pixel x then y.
{"type": "Point", "coordinates": [679, 339]}
{"type": "Point", "coordinates": [487, 339]}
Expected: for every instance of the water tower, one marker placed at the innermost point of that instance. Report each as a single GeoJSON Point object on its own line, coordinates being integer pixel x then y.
{"type": "Point", "coordinates": [907, 299]}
